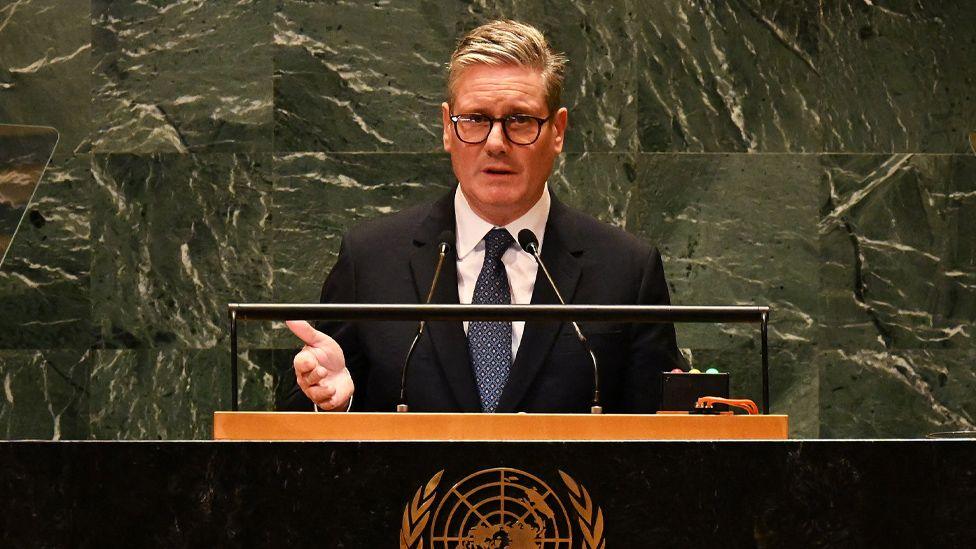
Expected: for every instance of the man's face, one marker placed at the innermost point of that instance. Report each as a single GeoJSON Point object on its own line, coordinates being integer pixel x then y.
{"type": "Point", "coordinates": [502, 180]}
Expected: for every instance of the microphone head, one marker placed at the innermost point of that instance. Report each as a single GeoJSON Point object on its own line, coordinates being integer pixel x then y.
{"type": "Point", "coordinates": [528, 241]}
{"type": "Point", "coordinates": [445, 241]}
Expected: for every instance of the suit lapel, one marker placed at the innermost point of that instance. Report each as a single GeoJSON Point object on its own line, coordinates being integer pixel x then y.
{"type": "Point", "coordinates": [448, 339]}
{"type": "Point", "coordinates": [559, 252]}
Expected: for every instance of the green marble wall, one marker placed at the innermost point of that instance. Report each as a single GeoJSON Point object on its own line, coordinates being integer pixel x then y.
{"type": "Point", "coordinates": [807, 155]}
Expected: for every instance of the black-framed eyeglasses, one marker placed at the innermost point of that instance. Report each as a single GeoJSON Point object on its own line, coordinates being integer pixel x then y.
{"type": "Point", "coordinates": [520, 129]}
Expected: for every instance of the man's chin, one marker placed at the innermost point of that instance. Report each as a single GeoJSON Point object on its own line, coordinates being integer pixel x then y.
{"type": "Point", "coordinates": [498, 196]}
{"type": "Point", "coordinates": [499, 204]}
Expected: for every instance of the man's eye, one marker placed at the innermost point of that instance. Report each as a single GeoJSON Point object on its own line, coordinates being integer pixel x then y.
{"type": "Point", "coordinates": [520, 118]}
{"type": "Point", "coordinates": [475, 118]}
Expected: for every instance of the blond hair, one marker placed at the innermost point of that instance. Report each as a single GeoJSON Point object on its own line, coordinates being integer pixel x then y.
{"type": "Point", "coordinates": [509, 43]}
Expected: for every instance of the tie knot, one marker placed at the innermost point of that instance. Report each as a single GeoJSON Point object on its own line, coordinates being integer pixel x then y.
{"type": "Point", "coordinates": [496, 242]}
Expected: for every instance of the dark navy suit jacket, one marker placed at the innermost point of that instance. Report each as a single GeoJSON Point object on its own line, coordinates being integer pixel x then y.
{"type": "Point", "coordinates": [392, 260]}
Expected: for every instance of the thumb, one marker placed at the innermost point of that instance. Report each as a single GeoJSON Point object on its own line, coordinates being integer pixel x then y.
{"type": "Point", "coordinates": [306, 332]}
{"type": "Point", "coordinates": [325, 349]}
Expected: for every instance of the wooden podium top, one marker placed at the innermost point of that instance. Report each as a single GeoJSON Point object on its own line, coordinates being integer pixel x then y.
{"type": "Point", "coordinates": [493, 427]}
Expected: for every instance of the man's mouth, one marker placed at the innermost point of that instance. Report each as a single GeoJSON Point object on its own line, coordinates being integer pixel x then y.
{"type": "Point", "coordinates": [498, 171]}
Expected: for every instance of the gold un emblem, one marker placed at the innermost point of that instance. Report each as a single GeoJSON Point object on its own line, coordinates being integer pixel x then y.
{"type": "Point", "coordinates": [501, 508]}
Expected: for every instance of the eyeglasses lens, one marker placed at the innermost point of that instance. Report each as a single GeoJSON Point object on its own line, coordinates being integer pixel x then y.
{"type": "Point", "coordinates": [521, 130]}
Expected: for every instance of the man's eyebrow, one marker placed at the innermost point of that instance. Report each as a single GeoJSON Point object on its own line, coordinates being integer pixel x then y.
{"type": "Point", "coordinates": [517, 110]}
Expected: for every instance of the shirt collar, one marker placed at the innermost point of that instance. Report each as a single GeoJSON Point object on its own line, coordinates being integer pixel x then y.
{"type": "Point", "coordinates": [471, 229]}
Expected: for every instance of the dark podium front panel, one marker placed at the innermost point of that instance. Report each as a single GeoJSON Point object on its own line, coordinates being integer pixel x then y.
{"type": "Point", "coordinates": [559, 494]}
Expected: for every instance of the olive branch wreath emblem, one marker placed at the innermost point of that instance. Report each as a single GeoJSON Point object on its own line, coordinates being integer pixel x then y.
{"type": "Point", "coordinates": [590, 516]}
{"type": "Point", "coordinates": [417, 513]}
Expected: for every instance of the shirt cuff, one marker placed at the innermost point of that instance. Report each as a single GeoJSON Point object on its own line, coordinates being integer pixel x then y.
{"type": "Point", "coordinates": [315, 407]}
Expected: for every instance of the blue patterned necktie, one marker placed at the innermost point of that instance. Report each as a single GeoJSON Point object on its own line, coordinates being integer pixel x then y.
{"type": "Point", "coordinates": [490, 343]}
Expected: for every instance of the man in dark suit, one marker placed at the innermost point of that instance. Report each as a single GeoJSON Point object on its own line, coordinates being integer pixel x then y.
{"type": "Point", "coordinates": [503, 128]}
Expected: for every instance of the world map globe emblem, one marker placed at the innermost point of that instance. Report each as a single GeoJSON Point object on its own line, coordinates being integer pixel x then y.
{"type": "Point", "coordinates": [500, 508]}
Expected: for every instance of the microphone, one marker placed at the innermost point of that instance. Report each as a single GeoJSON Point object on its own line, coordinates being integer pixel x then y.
{"type": "Point", "coordinates": [528, 241]}
{"type": "Point", "coordinates": [446, 243]}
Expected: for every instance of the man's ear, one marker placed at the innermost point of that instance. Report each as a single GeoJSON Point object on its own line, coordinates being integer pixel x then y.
{"type": "Point", "coordinates": [448, 126]}
{"type": "Point", "coordinates": [559, 122]}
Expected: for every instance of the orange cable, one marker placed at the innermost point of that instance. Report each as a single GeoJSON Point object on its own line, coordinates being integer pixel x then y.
{"type": "Point", "coordinates": [743, 403]}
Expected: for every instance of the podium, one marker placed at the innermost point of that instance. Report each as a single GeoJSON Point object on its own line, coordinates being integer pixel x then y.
{"type": "Point", "coordinates": [610, 493]}
{"type": "Point", "coordinates": [471, 479]}
{"type": "Point", "coordinates": [494, 427]}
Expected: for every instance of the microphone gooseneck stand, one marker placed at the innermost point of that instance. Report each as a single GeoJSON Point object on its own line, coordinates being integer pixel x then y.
{"type": "Point", "coordinates": [446, 239]}
{"type": "Point", "coordinates": [528, 241]}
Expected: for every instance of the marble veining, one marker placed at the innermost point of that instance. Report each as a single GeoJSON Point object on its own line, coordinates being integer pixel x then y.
{"type": "Point", "coordinates": [896, 393]}
{"type": "Point", "coordinates": [897, 270]}
{"type": "Point", "coordinates": [898, 76]}
{"type": "Point", "coordinates": [349, 77]}
{"type": "Point", "coordinates": [177, 238]}
{"type": "Point", "coordinates": [45, 394]}
{"type": "Point", "coordinates": [739, 76]}
{"type": "Point", "coordinates": [45, 280]}
{"type": "Point", "coordinates": [45, 68]}
{"type": "Point", "coordinates": [181, 76]}
{"type": "Point", "coordinates": [810, 156]}
{"type": "Point", "coordinates": [171, 394]}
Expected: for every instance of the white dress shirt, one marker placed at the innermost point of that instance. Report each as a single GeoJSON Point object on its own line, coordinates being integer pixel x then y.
{"type": "Point", "coordinates": [519, 265]}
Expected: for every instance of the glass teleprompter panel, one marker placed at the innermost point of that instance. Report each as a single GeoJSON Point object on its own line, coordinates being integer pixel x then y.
{"type": "Point", "coordinates": [24, 154]}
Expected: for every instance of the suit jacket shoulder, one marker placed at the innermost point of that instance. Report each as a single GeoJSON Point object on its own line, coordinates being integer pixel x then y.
{"type": "Point", "coordinates": [392, 232]}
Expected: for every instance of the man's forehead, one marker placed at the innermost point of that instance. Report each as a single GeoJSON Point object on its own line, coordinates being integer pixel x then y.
{"type": "Point", "coordinates": [512, 84]}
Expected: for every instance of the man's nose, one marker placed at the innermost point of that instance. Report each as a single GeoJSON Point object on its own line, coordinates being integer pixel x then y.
{"type": "Point", "coordinates": [496, 142]}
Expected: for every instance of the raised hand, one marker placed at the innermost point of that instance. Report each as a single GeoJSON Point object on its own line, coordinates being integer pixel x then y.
{"type": "Point", "coordinates": [320, 368]}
